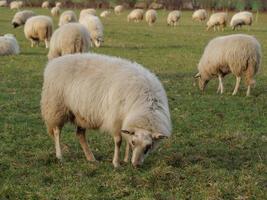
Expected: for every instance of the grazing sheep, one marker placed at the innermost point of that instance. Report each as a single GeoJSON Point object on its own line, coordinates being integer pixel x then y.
{"type": "Point", "coordinates": [16, 5]}
{"type": "Point", "coordinates": [69, 39]}
{"type": "Point", "coordinates": [58, 4]}
{"type": "Point", "coordinates": [3, 3]}
{"type": "Point", "coordinates": [67, 17]}
{"type": "Point", "coordinates": [238, 54]}
{"type": "Point", "coordinates": [45, 4]}
{"type": "Point", "coordinates": [136, 15]}
{"type": "Point", "coordinates": [39, 28]}
{"type": "Point", "coordinates": [151, 17]}
{"type": "Point", "coordinates": [107, 93]}
{"type": "Point", "coordinates": [8, 45]}
{"type": "Point", "coordinates": [217, 20]}
{"type": "Point", "coordinates": [105, 13]}
{"type": "Point", "coordinates": [89, 11]}
{"type": "Point", "coordinates": [173, 17]}
{"type": "Point", "coordinates": [21, 17]}
{"type": "Point", "coordinates": [118, 9]}
{"type": "Point", "coordinates": [55, 11]}
{"type": "Point", "coordinates": [241, 18]}
{"type": "Point", "coordinates": [200, 15]}
{"type": "Point", "coordinates": [95, 28]}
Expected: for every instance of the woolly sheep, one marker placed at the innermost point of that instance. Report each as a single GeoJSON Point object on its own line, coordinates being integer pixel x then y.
{"type": "Point", "coordinates": [173, 17]}
{"type": "Point", "coordinates": [105, 13]}
{"type": "Point", "coordinates": [69, 39]}
{"type": "Point", "coordinates": [81, 88]}
{"type": "Point", "coordinates": [151, 16]}
{"type": "Point", "coordinates": [58, 4]}
{"type": "Point", "coordinates": [89, 11]}
{"type": "Point", "coordinates": [67, 17]}
{"type": "Point", "coordinates": [118, 9]}
{"type": "Point", "coordinates": [217, 20]}
{"type": "Point", "coordinates": [8, 45]}
{"type": "Point", "coordinates": [200, 15]}
{"type": "Point", "coordinates": [3, 3]}
{"type": "Point", "coordinates": [241, 18]}
{"type": "Point", "coordinates": [55, 11]}
{"type": "Point", "coordinates": [238, 54]}
{"type": "Point", "coordinates": [95, 28]}
{"type": "Point", "coordinates": [21, 17]}
{"type": "Point", "coordinates": [136, 15]}
{"type": "Point", "coordinates": [38, 28]}
{"type": "Point", "coordinates": [16, 5]}
{"type": "Point", "coordinates": [45, 4]}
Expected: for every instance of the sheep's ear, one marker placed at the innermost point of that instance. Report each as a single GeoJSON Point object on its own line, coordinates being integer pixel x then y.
{"type": "Point", "coordinates": [158, 136]}
{"type": "Point", "coordinates": [197, 75]}
{"type": "Point", "coordinates": [127, 132]}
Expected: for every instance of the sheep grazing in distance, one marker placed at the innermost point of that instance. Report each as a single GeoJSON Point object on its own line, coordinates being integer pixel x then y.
{"type": "Point", "coordinates": [136, 15]}
{"type": "Point", "coordinates": [58, 4]}
{"type": "Point", "coordinates": [21, 17]}
{"type": "Point", "coordinates": [217, 20]}
{"type": "Point", "coordinates": [89, 11]}
{"type": "Point", "coordinates": [67, 17]}
{"type": "Point", "coordinates": [118, 9]}
{"type": "Point", "coordinates": [45, 4]}
{"type": "Point", "coordinates": [39, 28]}
{"type": "Point", "coordinates": [81, 87]}
{"type": "Point", "coordinates": [105, 13]}
{"type": "Point", "coordinates": [173, 18]}
{"type": "Point", "coordinates": [200, 15]}
{"type": "Point", "coordinates": [95, 28]}
{"type": "Point", "coordinates": [8, 45]}
{"type": "Point", "coordinates": [16, 5]}
{"type": "Point", "coordinates": [151, 17]}
{"type": "Point", "coordinates": [55, 11]}
{"type": "Point", "coordinates": [239, 54]}
{"type": "Point", "coordinates": [69, 39]}
{"type": "Point", "coordinates": [3, 3]}
{"type": "Point", "coordinates": [240, 19]}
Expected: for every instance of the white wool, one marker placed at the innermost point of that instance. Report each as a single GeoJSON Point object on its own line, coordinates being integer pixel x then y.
{"type": "Point", "coordinates": [173, 17]}
{"type": "Point", "coordinates": [136, 15]}
{"type": "Point", "coordinates": [58, 4]}
{"type": "Point", "coordinates": [21, 17]}
{"type": "Point", "coordinates": [241, 18]}
{"type": "Point", "coordinates": [16, 4]}
{"type": "Point", "coordinates": [217, 19]}
{"type": "Point", "coordinates": [105, 13]}
{"type": "Point", "coordinates": [45, 4]}
{"type": "Point", "coordinates": [89, 11]}
{"type": "Point", "coordinates": [3, 3]}
{"type": "Point", "coordinates": [151, 16]}
{"type": "Point", "coordinates": [55, 11]}
{"type": "Point", "coordinates": [67, 17]}
{"type": "Point", "coordinates": [118, 9]}
{"type": "Point", "coordinates": [8, 45]}
{"type": "Point", "coordinates": [200, 15]}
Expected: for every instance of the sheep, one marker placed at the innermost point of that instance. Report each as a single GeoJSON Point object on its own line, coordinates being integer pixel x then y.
{"type": "Point", "coordinates": [94, 27]}
{"type": "Point", "coordinates": [241, 18]}
{"type": "Point", "coordinates": [8, 45]}
{"type": "Point", "coordinates": [118, 9]}
{"type": "Point", "coordinates": [90, 91]}
{"type": "Point", "coordinates": [39, 28]}
{"type": "Point", "coordinates": [89, 11]}
{"type": "Point", "coordinates": [16, 5]}
{"type": "Point", "coordinates": [173, 18]}
{"type": "Point", "coordinates": [3, 3]}
{"type": "Point", "coordinates": [105, 14]}
{"type": "Point", "coordinates": [21, 17]}
{"type": "Point", "coordinates": [136, 15]}
{"type": "Point", "coordinates": [239, 54]}
{"type": "Point", "coordinates": [67, 17]}
{"type": "Point", "coordinates": [55, 11]}
{"type": "Point", "coordinates": [217, 20]}
{"type": "Point", "coordinates": [200, 15]}
{"type": "Point", "coordinates": [69, 39]}
{"type": "Point", "coordinates": [45, 4]}
{"type": "Point", "coordinates": [58, 4]}
{"type": "Point", "coordinates": [151, 16]}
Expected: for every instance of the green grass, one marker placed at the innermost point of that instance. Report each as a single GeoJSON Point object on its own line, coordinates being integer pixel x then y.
{"type": "Point", "coordinates": [217, 149]}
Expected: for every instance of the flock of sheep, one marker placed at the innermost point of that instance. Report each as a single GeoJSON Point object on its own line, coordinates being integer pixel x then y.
{"type": "Point", "coordinates": [89, 89]}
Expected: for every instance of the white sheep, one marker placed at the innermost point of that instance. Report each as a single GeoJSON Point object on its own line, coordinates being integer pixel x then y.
{"type": "Point", "coordinates": [8, 45]}
{"type": "Point", "coordinates": [89, 11]}
{"type": "Point", "coordinates": [55, 11]}
{"type": "Point", "coordinates": [238, 54]}
{"type": "Point", "coordinates": [95, 28]}
{"type": "Point", "coordinates": [58, 4]}
{"type": "Point", "coordinates": [69, 39]}
{"type": "Point", "coordinates": [45, 4]}
{"type": "Point", "coordinates": [67, 17]}
{"type": "Point", "coordinates": [16, 5]}
{"type": "Point", "coordinates": [107, 93]}
{"type": "Point", "coordinates": [173, 17]}
{"type": "Point", "coordinates": [241, 18]}
{"type": "Point", "coordinates": [118, 9]}
{"type": "Point", "coordinates": [217, 20]}
{"type": "Point", "coordinates": [136, 15]}
{"type": "Point", "coordinates": [21, 17]}
{"type": "Point", "coordinates": [105, 13]}
{"type": "Point", "coordinates": [151, 16]}
{"type": "Point", "coordinates": [3, 3]}
{"type": "Point", "coordinates": [39, 28]}
{"type": "Point", "coordinates": [200, 15]}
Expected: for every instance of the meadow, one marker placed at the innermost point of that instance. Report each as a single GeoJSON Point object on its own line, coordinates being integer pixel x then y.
{"type": "Point", "coordinates": [218, 146]}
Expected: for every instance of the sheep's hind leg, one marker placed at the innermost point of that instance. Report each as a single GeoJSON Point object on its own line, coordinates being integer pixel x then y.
{"type": "Point", "coordinates": [116, 158]}
{"type": "Point", "coordinates": [56, 132]}
{"type": "Point", "coordinates": [80, 133]}
{"type": "Point", "coordinates": [238, 79]}
{"type": "Point", "coordinates": [127, 152]}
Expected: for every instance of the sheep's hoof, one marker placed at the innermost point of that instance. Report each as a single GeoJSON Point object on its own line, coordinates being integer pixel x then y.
{"type": "Point", "coordinates": [116, 164]}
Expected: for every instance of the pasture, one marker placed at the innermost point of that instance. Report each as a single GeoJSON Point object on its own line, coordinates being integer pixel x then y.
{"type": "Point", "coordinates": [218, 145]}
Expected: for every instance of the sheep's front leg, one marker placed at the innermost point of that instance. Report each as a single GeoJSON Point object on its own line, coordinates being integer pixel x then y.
{"type": "Point", "coordinates": [220, 87]}
{"type": "Point", "coordinates": [238, 79]}
{"type": "Point", "coordinates": [46, 43]}
{"type": "Point", "coordinates": [116, 158]}
{"type": "Point", "coordinates": [248, 90]}
{"type": "Point", "coordinates": [56, 132]}
{"type": "Point", "coordinates": [127, 152]}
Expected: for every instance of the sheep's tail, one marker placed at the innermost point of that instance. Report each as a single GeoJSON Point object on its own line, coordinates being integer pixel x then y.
{"type": "Point", "coordinates": [252, 69]}
{"type": "Point", "coordinates": [49, 33]}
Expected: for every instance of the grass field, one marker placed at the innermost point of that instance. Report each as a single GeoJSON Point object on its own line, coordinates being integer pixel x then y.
{"type": "Point", "coordinates": [217, 150]}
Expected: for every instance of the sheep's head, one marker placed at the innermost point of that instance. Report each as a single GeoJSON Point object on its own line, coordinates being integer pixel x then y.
{"type": "Point", "coordinates": [202, 83]}
{"type": "Point", "coordinates": [15, 24]}
{"type": "Point", "coordinates": [142, 143]}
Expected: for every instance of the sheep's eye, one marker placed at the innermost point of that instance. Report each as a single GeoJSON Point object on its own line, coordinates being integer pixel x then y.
{"type": "Point", "coordinates": [133, 143]}
{"type": "Point", "coordinates": [147, 148]}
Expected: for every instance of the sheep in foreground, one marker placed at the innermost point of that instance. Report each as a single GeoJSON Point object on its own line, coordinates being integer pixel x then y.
{"type": "Point", "coordinates": [8, 45]}
{"type": "Point", "coordinates": [45, 4]}
{"type": "Point", "coordinates": [38, 28]}
{"type": "Point", "coordinates": [200, 15]}
{"type": "Point", "coordinates": [118, 9]}
{"type": "Point", "coordinates": [240, 19]}
{"type": "Point", "coordinates": [151, 17]}
{"type": "Point", "coordinates": [173, 17]}
{"type": "Point", "coordinates": [105, 13]}
{"type": "Point", "coordinates": [3, 3]}
{"type": "Point", "coordinates": [69, 39]}
{"type": "Point", "coordinates": [89, 11]}
{"type": "Point", "coordinates": [58, 4]}
{"type": "Point", "coordinates": [16, 5]}
{"type": "Point", "coordinates": [67, 17]}
{"type": "Point", "coordinates": [217, 20]}
{"type": "Point", "coordinates": [81, 88]}
{"type": "Point", "coordinates": [94, 27]}
{"type": "Point", "coordinates": [21, 17]}
{"type": "Point", "coordinates": [55, 11]}
{"type": "Point", "coordinates": [238, 54]}
{"type": "Point", "coordinates": [136, 15]}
